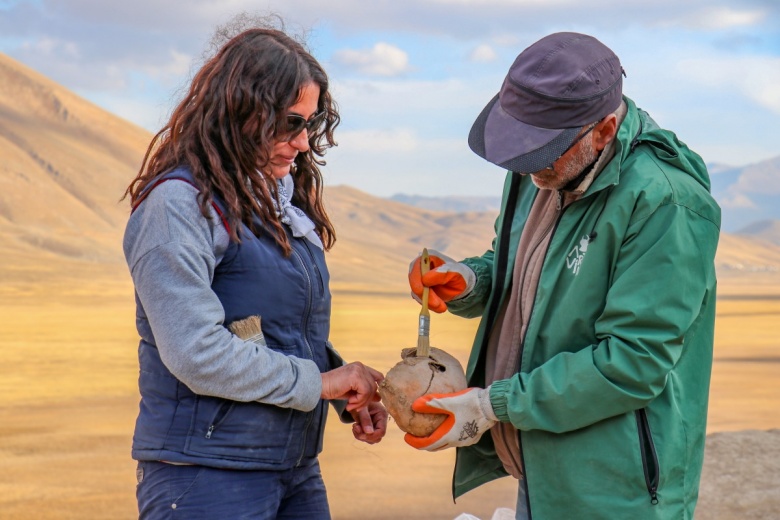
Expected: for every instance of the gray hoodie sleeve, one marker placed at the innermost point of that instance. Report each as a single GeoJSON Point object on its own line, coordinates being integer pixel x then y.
{"type": "Point", "coordinates": [172, 252]}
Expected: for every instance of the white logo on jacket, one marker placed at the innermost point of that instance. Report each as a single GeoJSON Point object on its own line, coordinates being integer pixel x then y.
{"type": "Point", "coordinates": [577, 255]}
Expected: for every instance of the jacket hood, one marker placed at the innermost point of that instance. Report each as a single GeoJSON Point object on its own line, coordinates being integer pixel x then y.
{"type": "Point", "coordinates": [639, 128]}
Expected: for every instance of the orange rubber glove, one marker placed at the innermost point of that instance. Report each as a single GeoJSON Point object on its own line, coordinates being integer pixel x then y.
{"type": "Point", "coordinates": [469, 416]}
{"type": "Point", "coordinates": [448, 280]}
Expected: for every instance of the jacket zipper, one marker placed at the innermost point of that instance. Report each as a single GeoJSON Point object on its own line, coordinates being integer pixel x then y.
{"type": "Point", "coordinates": [502, 258]}
{"type": "Point", "coordinates": [649, 455]}
{"type": "Point", "coordinates": [525, 475]}
{"type": "Point", "coordinates": [218, 418]}
{"type": "Point", "coordinates": [550, 230]}
{"type": "Point", "coordinates": [304, 326]}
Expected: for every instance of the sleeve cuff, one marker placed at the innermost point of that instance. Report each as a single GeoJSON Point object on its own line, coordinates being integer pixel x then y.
{"type": "Point", "coordinates": [481, 273]}
{"type": "Point", "coordinates": [486, 406]}
{"type": "Point", "coordinates": [309, 383]}
{"type": "Point", "coordinates": [498, 393]}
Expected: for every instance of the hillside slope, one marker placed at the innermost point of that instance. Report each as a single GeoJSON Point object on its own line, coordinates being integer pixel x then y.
{"type": "Point", "coordinates": [65, 165]}
{"type": "Point", "coordinates": [768, 230]}
{"type": "Point", "coordinates": [377, 238]}
{"type": "Point", "coordinates": [67, 162]}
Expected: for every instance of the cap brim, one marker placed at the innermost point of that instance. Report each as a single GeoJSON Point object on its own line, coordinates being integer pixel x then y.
{"type": "Point", "coordinates": [509, 143]}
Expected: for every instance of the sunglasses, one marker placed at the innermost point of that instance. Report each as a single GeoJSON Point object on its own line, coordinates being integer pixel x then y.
{"type": "Point", "coordinates": [572, 145]}
{"type": "Point", "coordinates": [294, 124]}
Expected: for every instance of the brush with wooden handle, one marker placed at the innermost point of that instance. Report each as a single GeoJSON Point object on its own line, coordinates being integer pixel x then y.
{"type": "Point", "coordinates": [421, 371]}
{"type": "Point", "coordinates": [424, 328]}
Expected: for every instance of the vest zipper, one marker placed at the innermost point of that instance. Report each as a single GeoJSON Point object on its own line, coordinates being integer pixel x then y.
{"type": "Point", "coordinates": [316, 269]}
{"type": "Point", "coordinates": [218, 418]}
{"type": "Point", "coordinates": [649, 455]}
{"type": "Point", "coordinates": [304, 328]}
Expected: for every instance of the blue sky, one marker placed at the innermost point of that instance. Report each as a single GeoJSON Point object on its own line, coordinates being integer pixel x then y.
{"type": "Point", "coordinates": [410, 76]}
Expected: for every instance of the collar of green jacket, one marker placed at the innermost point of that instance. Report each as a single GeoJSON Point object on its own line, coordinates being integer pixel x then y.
{"type": "Point", "coordinates": [638, 128]}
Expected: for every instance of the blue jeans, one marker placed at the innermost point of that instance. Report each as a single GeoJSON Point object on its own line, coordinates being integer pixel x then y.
{"type": "Point", "coordinates": [168, 491]}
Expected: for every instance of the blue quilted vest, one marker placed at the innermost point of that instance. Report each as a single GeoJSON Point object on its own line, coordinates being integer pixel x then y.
{"type": "Point", "coordinates": [291, 295]}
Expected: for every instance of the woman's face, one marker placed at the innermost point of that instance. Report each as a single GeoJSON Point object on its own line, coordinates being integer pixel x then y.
{"type": "Point", "coordinates": [285, 149]}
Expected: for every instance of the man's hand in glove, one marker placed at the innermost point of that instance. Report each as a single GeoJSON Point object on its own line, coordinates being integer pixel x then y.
{"type": "Point", "coordinates": [470, 415]}
{"type": "Point", "coordinates": [447, 279]}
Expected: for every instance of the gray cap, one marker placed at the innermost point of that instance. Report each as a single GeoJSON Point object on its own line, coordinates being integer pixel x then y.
{"type": "Point", "coordinates": [554, 88]}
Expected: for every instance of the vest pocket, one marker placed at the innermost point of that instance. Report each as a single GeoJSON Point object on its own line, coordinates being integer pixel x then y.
{"type": "Point", "coordinates": [220, 416]}
{"type": "Point", "coordinates": [232, 430]}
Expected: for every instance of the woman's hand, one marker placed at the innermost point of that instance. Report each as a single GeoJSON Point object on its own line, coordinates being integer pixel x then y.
{"type": "Point", "coordinates": [354, 382]}
{"type": "Point", "coordinates": [370, 423]}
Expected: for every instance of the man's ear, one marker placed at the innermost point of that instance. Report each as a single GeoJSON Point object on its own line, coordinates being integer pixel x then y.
{"type": "Point", "coordinates": [604, 132]}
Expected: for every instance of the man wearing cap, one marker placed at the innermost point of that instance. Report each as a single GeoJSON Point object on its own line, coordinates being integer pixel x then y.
{"type": "Point", "coordinates": [591, 364]}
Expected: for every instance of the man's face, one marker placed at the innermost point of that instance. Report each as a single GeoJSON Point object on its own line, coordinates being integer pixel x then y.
{"type": "Point", "coordinates": [568, 166]}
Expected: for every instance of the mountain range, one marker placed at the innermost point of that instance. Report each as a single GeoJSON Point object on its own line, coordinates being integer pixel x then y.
{"type": "Point", "coordinates": [66, 164]}
{"type": "Point", "coordinates": [748, 194]}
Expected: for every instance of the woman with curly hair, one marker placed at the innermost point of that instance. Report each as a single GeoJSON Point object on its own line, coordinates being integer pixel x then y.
{"type": "Point", "coordinates": [228, 223]}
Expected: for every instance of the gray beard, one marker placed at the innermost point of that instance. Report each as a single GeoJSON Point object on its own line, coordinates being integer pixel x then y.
{"type": "Point", "coordinates": [579, 163]}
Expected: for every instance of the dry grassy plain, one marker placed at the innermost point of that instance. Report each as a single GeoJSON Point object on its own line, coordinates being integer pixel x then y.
{"type": "Point", "coordinates": [68, 400]}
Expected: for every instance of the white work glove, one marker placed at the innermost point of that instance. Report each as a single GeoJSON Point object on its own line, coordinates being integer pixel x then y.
{"type": "Point", "coordinates": [470, 415]}
{"type": "Point", "coordinates": [448, 280]}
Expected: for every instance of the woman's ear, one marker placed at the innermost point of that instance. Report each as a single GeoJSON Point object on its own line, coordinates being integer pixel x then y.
{"type": "Point", "coordinates": [605, 132]}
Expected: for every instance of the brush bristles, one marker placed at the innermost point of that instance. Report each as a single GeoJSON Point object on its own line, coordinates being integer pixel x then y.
{"type": "Point", "coordinates": [248, 329]}
{"type": "Point", "coordinates": [423, 346]}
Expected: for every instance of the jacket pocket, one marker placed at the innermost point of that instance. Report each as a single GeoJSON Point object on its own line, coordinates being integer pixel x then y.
{"type": "Point", "coordinates": [334, 358]}
{"type": "Point", "coordinates": [650, 463]}
{"type": "Point", "coordinates": [323, 406]}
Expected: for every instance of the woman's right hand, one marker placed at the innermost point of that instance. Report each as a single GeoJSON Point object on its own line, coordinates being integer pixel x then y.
{"type": "Point", "coordinates": [355, 382]}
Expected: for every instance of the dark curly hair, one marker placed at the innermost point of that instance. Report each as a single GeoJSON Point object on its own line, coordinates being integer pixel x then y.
{"type": "Point", "coordinates": [224, 131]}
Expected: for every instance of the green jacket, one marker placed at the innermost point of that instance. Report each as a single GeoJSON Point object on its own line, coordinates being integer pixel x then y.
{"type": "Point", "coordinates": [610, 398]}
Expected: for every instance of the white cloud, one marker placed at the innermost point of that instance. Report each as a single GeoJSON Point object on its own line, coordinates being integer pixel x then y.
{"type": "Point", "coordinates": [756, 77]}
{"type": "Point", "coordinates": [392, 98]}
{"type": "Point", "coordinates": [504, 3]}
{"type": "Point", "coordinates": [380, 140]}
{"type": "Point", "coordinates": [435, 109]}
{"type": "Point", "coordinates": [737, 200]}
{"type": "Point", "coordinates": [405, 160]}
{"type": "Point", "coordinates": [382, 59]}
{"type": "Point", "coordinates": [411, 136]}
{"type": "Point", "coordinates": [483, 53]}
{"type": "Point", "coordinates": [726, 18]}
{"type": "Point", "coordinates": [508, 40]}
{"type": "Point", "coordinates": [128, 61]}
{"type": "Point", "coordinates": [53, 47]}
{"type": "Point", "coordinates": [175, 67]}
